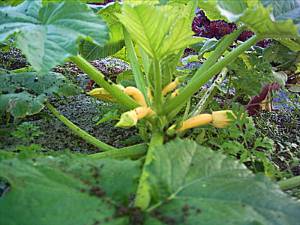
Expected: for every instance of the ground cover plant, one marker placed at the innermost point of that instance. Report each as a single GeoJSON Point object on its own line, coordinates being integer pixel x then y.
{"type": "Point", "coordinates": [167, 179]}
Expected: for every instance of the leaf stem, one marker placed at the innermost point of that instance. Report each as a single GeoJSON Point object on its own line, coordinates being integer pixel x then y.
{"type": "Point", "coordinates": [132, 152]}
{"type": "Point", "coordinates": [157, 87]}
{"type": "Point", "coordinates": [143, 198]}
{"type": "Point", "coordinates": [101, 80]}
{"type": "Point", "coordinates": [79, 132]}
{"type": "Point", "coordinates": [137, 73]}
{"type": "Point", "coordinates": [201, 105]}
{"type": "Point", "coordinates": [289, 183]}
{"type": "Point", "coordinates": [210, 68]}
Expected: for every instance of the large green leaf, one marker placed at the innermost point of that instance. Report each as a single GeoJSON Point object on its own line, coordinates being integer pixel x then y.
{"type": "Point", "coordinates": [159, 30]}
{"type": "Point", "coordinates": [283, 58]}
{"type": "Point", "coordinates": [48, 34]}
{"type": "Point", "coordinates": [115, 43]}
{"type": "Point", "coordinates": [191, 184]}
{"type": "Point", "coordinates": [10, 2]}
{"type": "Point", "coordinates": [258, 18]}
{"type": "Point", "coordinates": [64, 190]}
{"type": "Point", "coordinates": [24, 94]}
{"type": "Point", "coordinates": [260, 21]}
{"type": "Point", "coordinates": [209, 7]}
{"type": "Point", "coordinates": [21, 104]}
{"type": "Point", "coordinates": [283, 10]}
{"type": "Point", "coordinates": [253, 14]}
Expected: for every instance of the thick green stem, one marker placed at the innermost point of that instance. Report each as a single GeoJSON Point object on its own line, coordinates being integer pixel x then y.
{"type": "Point", "coordinates": [79, 132]}
{"type": "Point", "coordinates": [132, 152]}
{"type": "Point", "coordinates": [203, 76]}
{"type": "Point", "coordinates": [135, 66]}
{"type": "Point", "coordinates": [143, 198]}
{"type": "Point", "coordinates": [23, 70]}
{"type": "Point", "coordinates": [157, 87]}
{"type": "Point", "coordinates": [290, 183]}
{"type": "Point", "coordinates": [207, 96]}
{"type": "Point", "coordinates": [102, 81]}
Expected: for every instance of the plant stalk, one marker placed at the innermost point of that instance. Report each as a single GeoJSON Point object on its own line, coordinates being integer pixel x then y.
{"type": "Point", "coordinates": [143, 198]}
{"type": "Point", "coordinates": [102, 81]}
{"type": "Point", "coordinates": [157, 87]}
{"type": "Point", "coordinates": [202, 76]}
{"type": "Point", "coordinates": [201, 105]}
{"type": "Point", "coordinates": [289, 183]}
{"type": "Point", "coordinates": [137, 73]}
{"type": "Point", "coordinates": [132, 152]}
{"type": "Point", "coordinates": [79, 132]}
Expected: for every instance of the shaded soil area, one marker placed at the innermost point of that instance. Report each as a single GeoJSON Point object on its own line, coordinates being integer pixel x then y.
{"type": "Point", "coordinates": [81, 110]}
{"type": "Point", "coordinates": [12, 59]}
{"type": "Point", "coordinates": [283, 128]}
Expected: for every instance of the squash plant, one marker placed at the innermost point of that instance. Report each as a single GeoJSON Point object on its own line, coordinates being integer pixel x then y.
{"type": "Point", "coordinates": [176, 181]}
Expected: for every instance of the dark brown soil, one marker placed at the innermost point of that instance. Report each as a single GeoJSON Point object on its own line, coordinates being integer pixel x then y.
{"type": "Point", "coordinates": [283, 128]}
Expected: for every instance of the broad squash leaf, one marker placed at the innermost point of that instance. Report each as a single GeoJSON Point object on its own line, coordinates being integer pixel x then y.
{"type": "Point", "coordinates": [191, 184]}
{"type": "Point", "coordinates": [258, 18]}
{"type": "Point", "coordinates": [283, 10]}
{"type": "Point", "coordinates": [23, 94]}
{"type": "Point", "coordinates": [253, 14]}
{"type": "Point", "coordinates": [159, 30]}
{"type": "Point", "coordinates": [139, 2]}
{"type": "Point", "coordinates": [66, 190]}
{"type": "Point", "coordinates": [21, 104]}
{"type": "Point", "coordinates": [92, 51]}
{"type": "Point", "coordinates": [169, 67]}
{"type": "Point", "coordinates": [10, 2]}
{"type": "Point", "coordinates": [209, 7]}
{"type": "Point", "coordinates": [48, 34]}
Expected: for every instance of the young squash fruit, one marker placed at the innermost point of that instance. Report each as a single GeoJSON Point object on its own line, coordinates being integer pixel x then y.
{"type": "Point", "coordinates": [218, 119]}
{"type": "Point", "coordinates": [130, 118]}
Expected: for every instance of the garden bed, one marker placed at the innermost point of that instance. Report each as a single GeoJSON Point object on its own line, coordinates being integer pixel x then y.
{"type": "Point", "coordinates": [122, 113]}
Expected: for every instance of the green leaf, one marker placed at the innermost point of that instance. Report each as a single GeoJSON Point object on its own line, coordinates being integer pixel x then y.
{"type": "Point", "coordinates": [232, 9]}
{"type": "Point", "coordinates": [10, 2]}
{"type": "Point", "coordinates": [21, 104]}
{"type": "Point", "coordinates": [64, 190]}
{"type": "Point", "coordinates": [280, 77]}
{"type": "Point", "coordinates": [139, 2]}
{"type": "Point", "coordinates": [48, 34]}
{"type": "Point", "coordinates": [209, 7]}
{"type": "Point", "coordinates": [160, 31]}
{"type": "Point", "coordinates": [169, 67]}
{"type": "Point", "coordinates": [257, 18]}
{"type": "Point", "coordinates": [294, 45]}
{"type": "Point", "coordinates": [92, 51]}
{"type": "Point", "coordinates": [250, 68]}
{"type": "Point", "coordinates": [118, 179]}
{"type": "Point", "coordinates": [24, 94]}
{"type": "Point", "coordinates": [283, 58]}
{"type": "Point", "coordinates": [283, 10]}
{"type": "Point", "coordinates": [208, 46]}
{"type": "Point", "coordinates": [191, 184]}
{"type": "Point", "coordinates": [111, 115]}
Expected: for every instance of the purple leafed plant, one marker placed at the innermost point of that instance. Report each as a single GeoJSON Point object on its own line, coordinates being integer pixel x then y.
{"type": "Point", "coordinates": [203, 27]}
{"type": "Point", "coordinates": [253, 107]}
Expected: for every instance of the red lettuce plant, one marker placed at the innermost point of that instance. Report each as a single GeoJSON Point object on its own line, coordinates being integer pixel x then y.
{"type": "Point", "coordinates": [254, 105]}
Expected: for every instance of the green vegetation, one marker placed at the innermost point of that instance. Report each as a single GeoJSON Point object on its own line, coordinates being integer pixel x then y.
{"type": "Point", "coordinates": [169, 178]}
